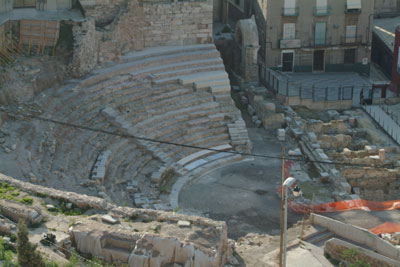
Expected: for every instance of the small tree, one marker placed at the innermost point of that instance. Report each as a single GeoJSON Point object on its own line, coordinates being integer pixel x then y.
{"type": "Point", "coordinates": [27, 254]}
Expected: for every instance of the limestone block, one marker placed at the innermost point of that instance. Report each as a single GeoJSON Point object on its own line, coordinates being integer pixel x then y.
{"type": "Point", "coordinates": [333, 114]}
{"type": "Point", "coordinates": [312, 136]}
{"type": "Point", "coordinates": [183, 223]}
{"type": "Point", "coordinates": [270, 107]}
{"type": "Point", "coordinates": [281, 134]}
{"type": "Point", "coordinates": [382, 154]}
{"type": "Point", "coordinates": [295, 152]}
{"type": "Point", "coordinates": [110, 220]}
{"type": "Point", "coordinates": [370, 149]}
{"type": "Point", "coordinates": [273, 121]}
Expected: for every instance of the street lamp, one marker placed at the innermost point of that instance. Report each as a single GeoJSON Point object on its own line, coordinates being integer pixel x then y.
{"type": "Point", "coordinates": [296, 192]}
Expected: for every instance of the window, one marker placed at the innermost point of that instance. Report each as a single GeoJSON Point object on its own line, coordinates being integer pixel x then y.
{"type": "Point", "coordinates": [289, 8]}
{"type": "Point", "coordinates": [320, 33]}
{"type": "Point", "coordinates": [350, 56]}
{"type": "Point", "coordinates": [289, 31]}
{"type": "Point", "coordinates": [321, 8]}
{"type": "Point", "coordinates": [351, 31]}
{"type": "Point", "coordinates": [353, 6]}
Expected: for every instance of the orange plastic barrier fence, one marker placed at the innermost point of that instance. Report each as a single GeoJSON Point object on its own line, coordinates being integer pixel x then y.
{"type": "Point", "coordinates": [358, 204]}
{"type": "Point", "coordinates": [386, 228]}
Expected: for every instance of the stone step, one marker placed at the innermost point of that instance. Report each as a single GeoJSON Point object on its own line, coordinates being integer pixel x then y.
{"type": "Point", "coordinates": [187, 71]}
{"type": "Point", "coordinates": [221, 157]}
{"type": "Point", "coordinates": [178, 128]}
{"type": "Point", "coordinates": [129, 67]}
{"type": "Point", "coordinates": [212, 82]}
{"type": "Point", "coordinates": [165, 50]}
{"type": "Point", "coordinates": [221, 89]}
{"type": "Point", "coordinates": [187, 136]}
{"type": "Point", "coordinates": [154, 70]}
{"type": "Point", "coordinates": [171, 114]}
{"type": "Point", "coordinates": [204, 141]}
{"type": "Point", "coordinates": [203, 153]}
{"type": "Point", "coordinates": [203, 76]}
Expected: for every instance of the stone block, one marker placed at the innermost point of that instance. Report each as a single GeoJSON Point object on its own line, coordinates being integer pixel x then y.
{"type": "Point", "coordinates": [271, 107]}
{"type": "Point", "coordinates": [109, 219]}
{"type": "Point", "coordinates": [274, 120]}
{"type": "Point", "coordinates": [295, 152]}
{"type": "Point", "coordinates": [382, 154]}
{"type": "Point", "coordinates": [333, 114]}
{"type": "Point", "coordinates": [312, 136]}
{"type": "Point", "coordinates": [324, 177]}
{"type": "Point", "coordinates": [183, 223]}
{"type": "Point", "coordinates": [281, 134]}
{"type": "Point", "coordinates": [370, 149]}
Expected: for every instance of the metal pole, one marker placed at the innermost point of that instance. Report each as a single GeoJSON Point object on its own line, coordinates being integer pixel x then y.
{"type": "Point", "coordinates": [282, 208]}
{"type": "Point", "coordinates": [284, 228]}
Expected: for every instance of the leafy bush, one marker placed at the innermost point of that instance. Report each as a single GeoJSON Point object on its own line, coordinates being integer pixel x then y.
{"type": "Point", "coordinates": [26, 200]}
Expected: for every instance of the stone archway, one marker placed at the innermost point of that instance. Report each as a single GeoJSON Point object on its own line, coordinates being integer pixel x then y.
{"type": "Point", "coordinates": [246, 36]}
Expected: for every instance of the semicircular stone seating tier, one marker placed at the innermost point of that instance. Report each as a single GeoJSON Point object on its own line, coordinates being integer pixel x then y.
{"type": "Point", "coordinates": [175, 94]}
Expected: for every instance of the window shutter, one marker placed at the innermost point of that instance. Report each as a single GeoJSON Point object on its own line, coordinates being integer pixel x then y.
{"type": "Point", "coordinates": [322, 6]}
{"type": "Point", "coordinates": [320, 33]}
{"type": "Point", "coordinates": [290, 4]}
{"type": "Point", "coordinates": [289, 31]}
{"type": "Point", "coordinates": [353, 4]}
{"type": "Point", "coordinates": [351, 32]}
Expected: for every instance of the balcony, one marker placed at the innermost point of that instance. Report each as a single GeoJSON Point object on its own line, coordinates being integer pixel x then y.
{"type": "Point", "coordinates": [355, 40]}
{"type": "Point", "coordinates": [290, 12]}
{"type": "Point", "coordinates": [287, 44]}
{"type": "Point", "coordinates": [320, 11]}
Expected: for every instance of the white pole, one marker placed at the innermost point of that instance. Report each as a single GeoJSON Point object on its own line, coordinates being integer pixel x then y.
{"type": "Point", "coordinates": [284, 228]}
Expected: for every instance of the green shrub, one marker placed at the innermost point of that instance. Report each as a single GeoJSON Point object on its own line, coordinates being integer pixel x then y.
{"type": "Point", "coordinates": [26, 200]}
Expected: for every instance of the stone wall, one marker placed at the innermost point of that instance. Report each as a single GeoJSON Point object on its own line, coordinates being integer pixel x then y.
{"type": "Point", "coordinates": [125, 26]}
{"type": "Point", "coordinates": [85, 54]}
{"type": "Point", "coordinates": [378, 184]}
{"type": "Point", "coordinates": [337, 248]}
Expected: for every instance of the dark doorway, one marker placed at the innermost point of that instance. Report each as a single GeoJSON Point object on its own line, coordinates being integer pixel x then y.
{"type": "Point", "coordinates": [318, 64]}
{"type": "Point", "coordinates": [287, 61]}
{"type": "Point", "coordinates": [349, 56]}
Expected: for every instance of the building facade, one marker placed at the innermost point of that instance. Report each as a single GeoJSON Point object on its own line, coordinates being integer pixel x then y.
{"type": "Point", "coordinates": [315, 35]}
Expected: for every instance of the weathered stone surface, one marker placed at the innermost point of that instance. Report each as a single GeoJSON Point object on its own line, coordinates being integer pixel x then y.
{"type": "Point", "coordinates": [16, 211]}
{"type": "Point", "coordinates": [274, 120]}
{"type": "Point", "coordinates": [109, 219]}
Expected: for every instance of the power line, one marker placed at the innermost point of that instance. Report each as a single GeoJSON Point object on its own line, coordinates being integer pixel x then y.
{"type": "Point", "coordinates": [18, 114]}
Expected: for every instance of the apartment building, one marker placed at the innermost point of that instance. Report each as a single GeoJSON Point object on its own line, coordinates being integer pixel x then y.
{"type": "Point", "coordinates": [315, 35]}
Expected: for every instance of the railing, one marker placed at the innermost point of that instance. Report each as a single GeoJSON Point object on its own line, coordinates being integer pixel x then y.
{"type": "Point", "coordinates": [290, 11]}
{"type": "Point", "coordinates": [322, 11]}
{"type": "Point", "coordinates": [280, 84]}
{"type": "Point", "coordinates": [392, 129]}
{"type": "Point", "coordinates": [351, 40]}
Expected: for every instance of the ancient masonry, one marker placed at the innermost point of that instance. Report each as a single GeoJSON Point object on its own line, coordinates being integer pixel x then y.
{"type": "Point", "coordinates": [134, 25]}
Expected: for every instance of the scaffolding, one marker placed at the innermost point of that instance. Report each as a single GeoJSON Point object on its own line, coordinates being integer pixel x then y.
{"type": "Point", "coordinates": [40, 34]}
